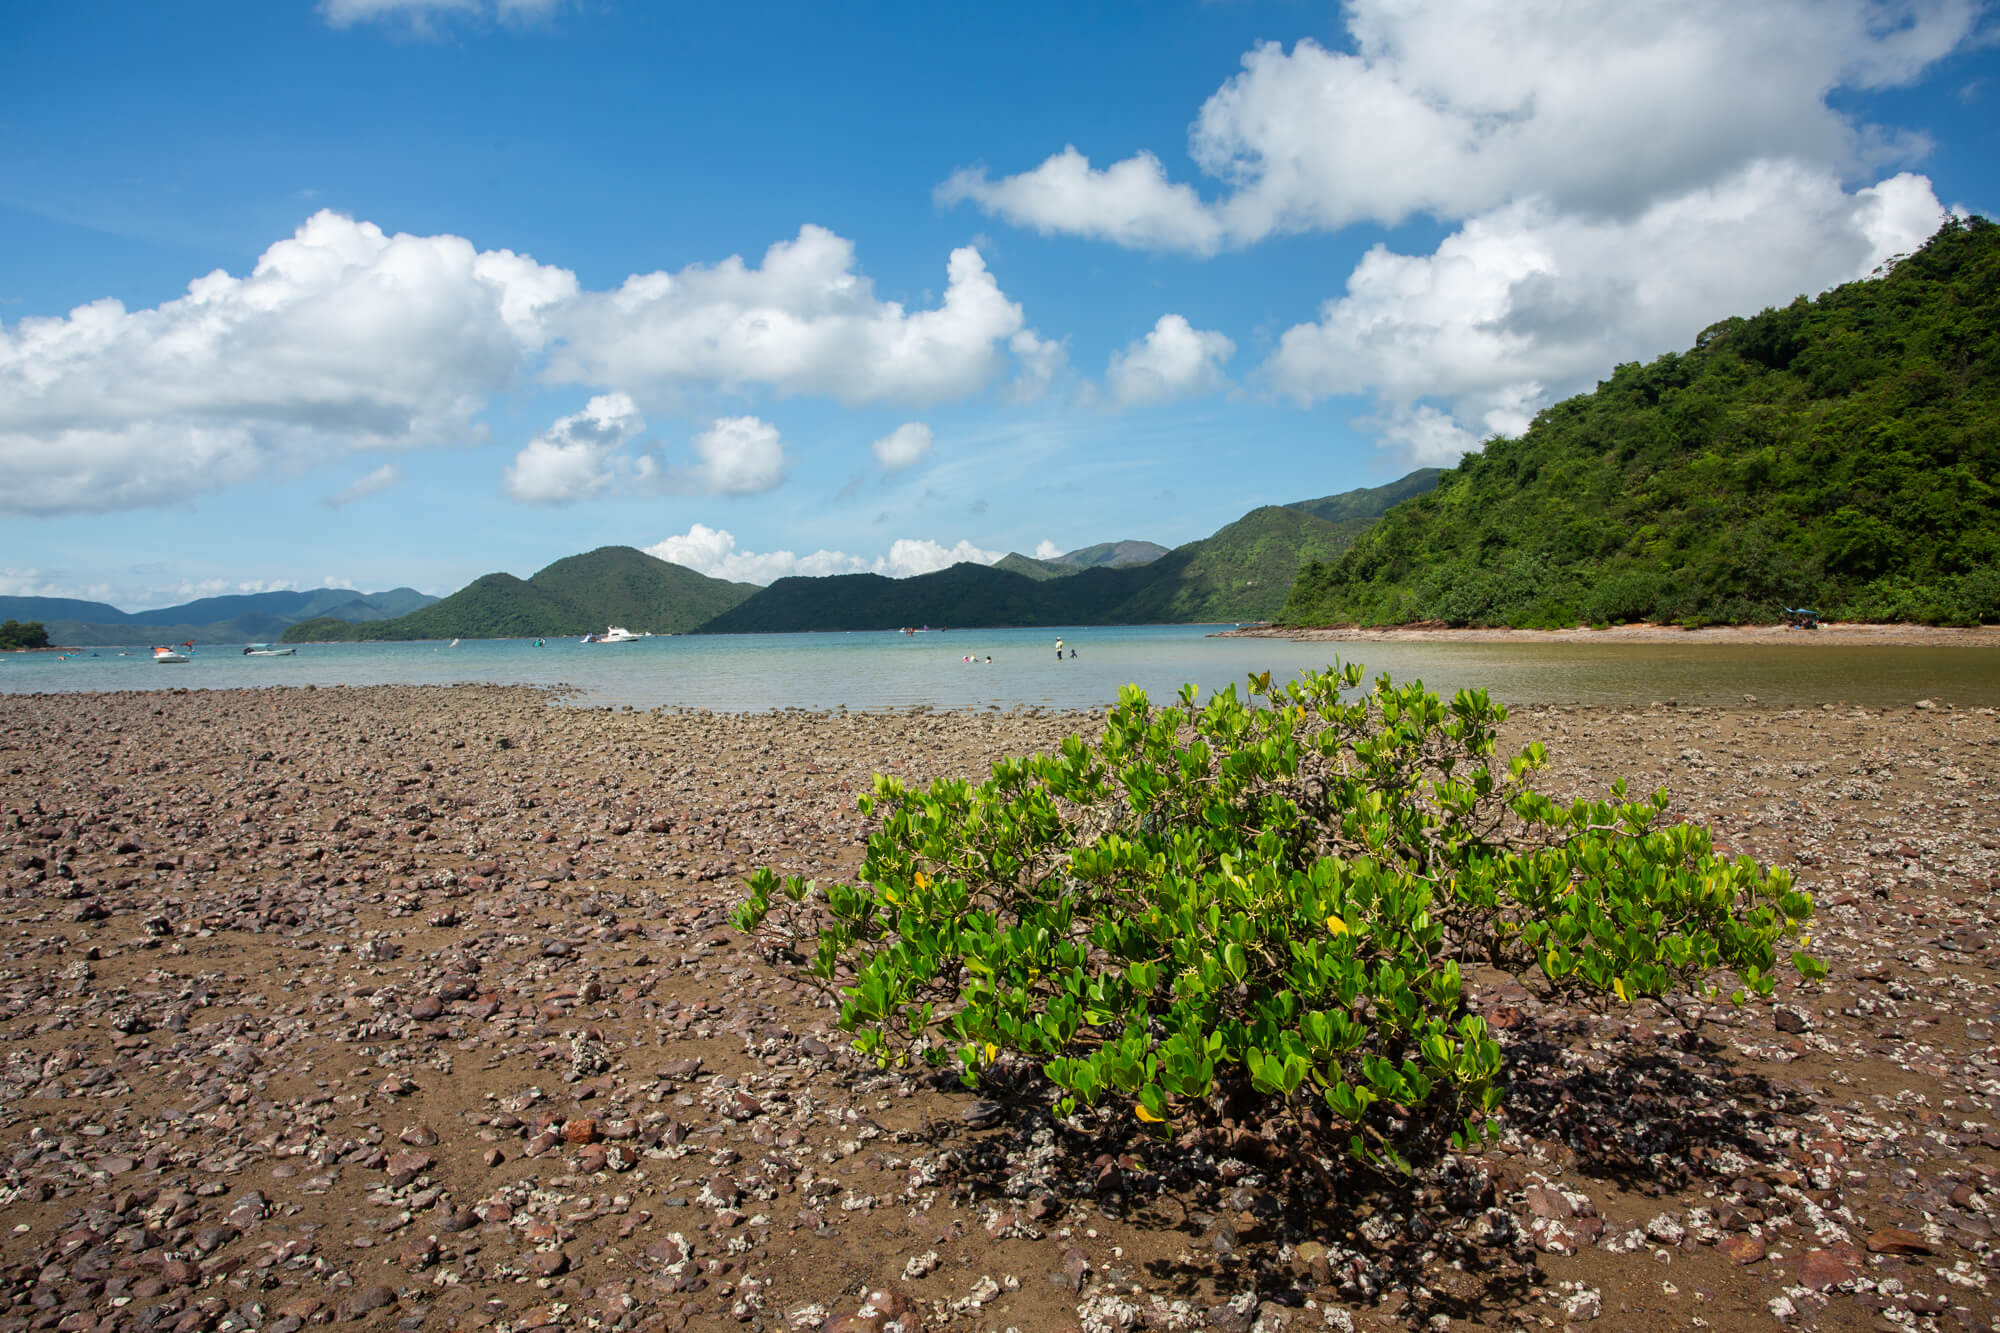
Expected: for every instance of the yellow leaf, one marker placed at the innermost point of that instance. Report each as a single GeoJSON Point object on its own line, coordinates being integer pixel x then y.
{"type": "Point", "coordinates": [992, 1051]}
{"type": "Point", "coordinates": [923, 880]}
{"type": "Point", "coordinates": [1618, 985]}
{"type": "Point", "coordinates": [1148, 1116]}
{"type": "Point", "coordinates": [1336, 925]}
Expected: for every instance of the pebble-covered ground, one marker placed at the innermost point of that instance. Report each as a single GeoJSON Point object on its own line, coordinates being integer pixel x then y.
{"type": "Point", "coordinates": [417, 1009]}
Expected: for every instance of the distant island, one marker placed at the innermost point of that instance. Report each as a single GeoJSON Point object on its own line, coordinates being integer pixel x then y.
{"type": "Point", "coordinates": [17, 635]}
{"type": "Point", "coordinates": [1841, 454]}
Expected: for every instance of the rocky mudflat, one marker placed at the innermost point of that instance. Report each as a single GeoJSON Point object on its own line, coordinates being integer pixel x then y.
{"type": "Point", "coordinates": [418, 1009]}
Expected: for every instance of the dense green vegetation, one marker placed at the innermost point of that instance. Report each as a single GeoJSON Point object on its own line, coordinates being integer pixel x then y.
{"type": "Point", "coordinates": [1841, 453]}
{"type": "Point", "coordinates": [1370, 501]}
{"type": "Point", "coordinates": [17, 634]}
{"type": "Point", "coordinates": [1266, 909]}
{"type": "Point", "coordinates": [240, 618]}
{"type": "Point", "coordinates": [613, 585]}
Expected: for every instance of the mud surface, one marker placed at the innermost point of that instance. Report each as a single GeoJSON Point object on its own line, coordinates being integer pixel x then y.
{"type": "Point", "coordinates": [417, 1009]}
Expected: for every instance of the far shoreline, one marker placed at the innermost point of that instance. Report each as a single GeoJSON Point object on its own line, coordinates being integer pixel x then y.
{"type": "Point", "coordinates": [1844, 633]}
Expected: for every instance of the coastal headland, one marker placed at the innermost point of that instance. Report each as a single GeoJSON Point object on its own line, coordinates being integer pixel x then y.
{"type": "Point", "coordinates": [417, 1008]}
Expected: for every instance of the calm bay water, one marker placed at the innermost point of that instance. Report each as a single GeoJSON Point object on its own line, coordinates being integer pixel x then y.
{"type": "Point", "coordinates": [891, 670]}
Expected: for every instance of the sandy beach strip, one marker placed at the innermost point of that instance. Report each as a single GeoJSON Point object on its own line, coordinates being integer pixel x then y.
{"type": "Point", "coordinates": [1987, 636]}
{"type": "Point", "coordinates": [416, 1008]}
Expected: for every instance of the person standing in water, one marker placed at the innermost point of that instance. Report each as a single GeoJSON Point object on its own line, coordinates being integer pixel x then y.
{"type": "Point", "coordinates": [1058, 650]}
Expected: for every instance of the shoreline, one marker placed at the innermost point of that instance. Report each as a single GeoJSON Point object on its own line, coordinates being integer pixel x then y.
{"type": "Point", "coordinates": [390, 1001]}
{"type": "Point", "coordinates": [1845, 633]}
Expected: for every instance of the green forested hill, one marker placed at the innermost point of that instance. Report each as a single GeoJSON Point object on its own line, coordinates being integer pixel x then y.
{"type": "Point", "coordinates": [1841, 453]}
{"type": "Point", "coordinates": [1370, 501]}
{"type": "Point", "coordinates": [613, 585]}
{"type": "Point", "coordinates": [1242, 572]}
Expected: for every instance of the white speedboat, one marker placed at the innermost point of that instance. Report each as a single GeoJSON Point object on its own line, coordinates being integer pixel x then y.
{"type": "Point", "coordinates": [616, 634]}
{"type": "Point", "coordinates": [167, 656]}
{"type": "Point", "coordinates": [267, 650]}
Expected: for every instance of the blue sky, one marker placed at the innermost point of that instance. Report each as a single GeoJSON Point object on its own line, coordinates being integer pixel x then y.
{"type": "Point", "coordinates": [379, 292]}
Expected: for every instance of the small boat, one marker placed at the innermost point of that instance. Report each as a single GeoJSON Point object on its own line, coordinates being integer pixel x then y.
{"type": "Point", "coordinates": [167, 656]}
{"type": "Point", "coordinates": [268, 650]}
{"type": "Point", "coordinates": [614, 634]}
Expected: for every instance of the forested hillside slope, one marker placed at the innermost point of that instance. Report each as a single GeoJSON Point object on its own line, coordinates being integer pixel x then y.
{"type": "Point", "coordinates": [1840, 453]}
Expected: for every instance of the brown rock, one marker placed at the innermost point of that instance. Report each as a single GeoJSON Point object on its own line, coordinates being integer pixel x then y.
{"type": "Point", "coordinates": [1544, 1202]}
{"type": "Point", "coordinates": [1742, 1249]}
{"type": "Point", "coordinates": [405, 1167]}
{"type": "Point", "coordinates": [1824, 1269]}
{"type": "Point", "coordinates": [582, 1130]}
{"type": "Point", "coordinates": [1897, 1240]}
{"type": "Point", "coordinates": [548, 1263]}
{"type": "Point", "coordinates": [366, 1300]}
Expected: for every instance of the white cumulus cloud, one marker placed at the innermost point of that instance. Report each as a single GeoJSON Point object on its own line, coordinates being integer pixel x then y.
{"type": "Point", "coordinates": [420, 15]}
{"type": "Point", "coordinates": [578, 456]}
{"type": "Point", "coordinates": [1524, 305]}
{"type": "Point", "coordinates": [342, 337]}
{"type": "Point", "coordinates": [1175, 360]}
{"type": "Point", "coordinates": [804, 322]}
{"type": "Point", "coordinates": [737, 456]}
{"type": "Point", "coordinates": [1455, 107]}
{"type": "Point", "coordinates": [1038, 361]}
{"type": "Point", "coordinates": [904, 446]}
{"type": "Point", "coordinates": [1129, 203]}
{"type": "Point", "coordinates": [713, 551]}
{"type": "Point", "coordinates": [1047, 550]}
{"type": "Point", "coordinates": [345, 338]}
{"type": "Point", "coordinates": [381, 479]}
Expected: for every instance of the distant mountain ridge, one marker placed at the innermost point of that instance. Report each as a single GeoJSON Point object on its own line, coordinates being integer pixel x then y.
{"type": "Point", "coordinates": [238, 617]}
{"type": "Point", "coordinates": [1242, 572]}
{"type": "Point", "coordinates": [1104, 555]}
{"type": "Point", "coordinates": [580, 594]}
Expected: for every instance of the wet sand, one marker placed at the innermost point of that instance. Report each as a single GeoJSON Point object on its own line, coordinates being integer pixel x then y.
{"type": "Point", "coordinates": [416, 1008]}
{"type": "Point", "coordinates": [1987, 636]}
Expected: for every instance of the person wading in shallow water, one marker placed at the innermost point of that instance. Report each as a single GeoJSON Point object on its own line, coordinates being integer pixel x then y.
{"type": "Point", "coordinates": [1058, 650]}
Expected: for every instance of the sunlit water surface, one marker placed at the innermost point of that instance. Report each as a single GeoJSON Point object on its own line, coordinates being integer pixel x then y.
{"type": "Point", "coordinates": [892, 670]}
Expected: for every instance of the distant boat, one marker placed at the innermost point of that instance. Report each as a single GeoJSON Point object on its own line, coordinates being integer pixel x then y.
{"type": "Point", "coordinates": [268, 650]}
{"type": "Point", "coordinates": [613, 634]}
{"type": "Point", "coordinates": [168, 656]}
{"type": "Point", "coordinates": [452, 644]}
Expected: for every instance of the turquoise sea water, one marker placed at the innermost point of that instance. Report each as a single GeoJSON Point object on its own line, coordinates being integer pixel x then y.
{"type": "Point", "coordinates": [893, 670]}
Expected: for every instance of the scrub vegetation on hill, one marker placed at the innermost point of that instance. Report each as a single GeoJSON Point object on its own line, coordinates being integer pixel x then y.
{"type": "Point", "coordinates": [1839, 453]}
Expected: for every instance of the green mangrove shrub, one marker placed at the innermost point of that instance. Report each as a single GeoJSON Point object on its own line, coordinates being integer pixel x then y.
{"type": "Point", "coordinates": [1273, 896]}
